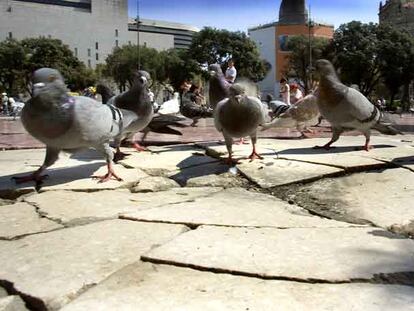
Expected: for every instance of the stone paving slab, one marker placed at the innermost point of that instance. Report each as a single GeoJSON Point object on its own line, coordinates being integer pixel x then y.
{"type": "Point", "coordinates": [240, 152]}
{"type": "Point", "coordinates": [12, 303]}
{"type": "Point", "coordinates": [382, 197]}
{"type": "Point", "coordinates": [225, 180]}
{"type": "Point", "coordinates": [235, 207]}
{"type": "Point", "coordinates": [168, 158]}
{"type": "Point", "coordinates": [184, 175]}
{"type": "Point", "coordinates": [147, 286]}
{"type": "Point", "coordinates": [21, 219]}
{"type": "Point", "coordinates": [69, 208]}
{"type": "Point", "coordinates": [328, 254]}
{"type": "Point", "coordinates": [55, 267]}
{"type": "Point", "coordinates": [268, 173]}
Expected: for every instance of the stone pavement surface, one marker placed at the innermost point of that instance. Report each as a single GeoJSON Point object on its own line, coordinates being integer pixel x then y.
{"type": "Point", "coordinates": [301, 229]}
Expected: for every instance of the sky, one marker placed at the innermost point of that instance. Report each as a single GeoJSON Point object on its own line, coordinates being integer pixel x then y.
{"type": "Point", "coordinates": [241, 14]}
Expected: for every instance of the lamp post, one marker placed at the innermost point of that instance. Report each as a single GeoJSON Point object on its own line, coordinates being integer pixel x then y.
{"type": "Point", "coordinates": [310, 46]}
{"type": "Point", "coordinates": [139, 50]}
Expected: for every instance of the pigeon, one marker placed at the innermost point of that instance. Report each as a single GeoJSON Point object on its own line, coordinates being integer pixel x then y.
{"type": "Point", "coordinates": [304, 113]}
{"type": "Point", "coordinates": [346, 108]}
{"type": "Point", "coordinates": [190, 109]}
{"type": "Point", "coordinates": [69, 123]}
{"type": "Point", "coordinates": [159, 123]}
{"type": "Point", "coordinates": [239, 116]}
{"type": "Point", "coordinates": [219, 87]}
{"type": "Point", "coordinates": [162, 124]}
{"type": "Point", "coordinates": [136, 99]}
{"type": "Point", "coordinates": [171, 106]}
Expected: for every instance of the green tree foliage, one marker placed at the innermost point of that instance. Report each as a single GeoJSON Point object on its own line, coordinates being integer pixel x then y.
{"type": "Point", "coordinates": [396, 60]}
{"type": "Point", "coordinates": [212, 45]}
{"type": "Point", "coordinates": [299, 58]}
{"type": "Point", "coordinates": [12, 59]}
{"type": "Point", "coordinates": [18, 60]}
{"type": "Point", "coordinates": [353, 51]}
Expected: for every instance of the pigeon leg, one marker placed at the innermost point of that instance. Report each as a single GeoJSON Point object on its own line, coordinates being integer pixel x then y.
{"type": "Point", "coordinates": [229, 142]}
{"type": "Point", "coordinates": [50, 158]}
{"type": "Point", "coordinates": [336, 132]}
{"type": "Point", "coordinates": [111, 173]}
{"type": "Point", "coordinates": [138, 147]}
{"type": "Point", "coordinates": [254, 154]}
{"type": "Point", "coordinates": [119, 155]}
{"type": "Point", "coordinates": [194, 124]}
{"type": "Point", "coordinates": [242, 142]}
{"type": "Point", "coordinates": [107, 151]}
{"type": "Point", "coordinates": [367, 146]}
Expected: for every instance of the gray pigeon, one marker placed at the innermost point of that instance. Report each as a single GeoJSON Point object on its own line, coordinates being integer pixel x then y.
{"type": "Point", "coordinates": [136, 99]}
{"type": "Point", "coordinates": [69, 123]}
{"type": "Point", "coordinates": [346, 108]}
{"type": "Point", "coordinates": [159, 123]}
{"type": "Point", "coordinates": [190, 109]}
{"type": "Point", "coordinates": [303, 113]}
{"type": "Point", "coordinates": [218, 86]}
{"type": "Point", "coordinates": [239, 116]}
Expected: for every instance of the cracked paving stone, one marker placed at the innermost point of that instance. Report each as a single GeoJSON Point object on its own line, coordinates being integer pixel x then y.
{"type": "Point", "coordinates": [12, 303]}
{"type": "Point", "coordinates": [269, 173]}
{"type": "Point", "coordinates": [147, 286]}
{"type": "Point", "coordinates": [325, 254]}
{"type": "Point", "coordinates": [75, 208]}
{"type": "Point", "coordinates": [154, 184]}
{"type": "Point", "coordinates": [21, 219]}
{"type": "Point", "coordinates": [383, 197]}
{"type": "Point", "coordinates": [235, 207]}
{"type": "Point", "coordinates": [168, 158]}
{"type": "Point", "coordinates": [225, 180]}
{"type": "Point", "coordinates": [183, 175]}
{"type": "Point", "coordinates": [53, 268]}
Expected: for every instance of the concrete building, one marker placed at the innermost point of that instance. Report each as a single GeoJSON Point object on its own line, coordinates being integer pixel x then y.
{"type": "Point", "coordinates": [272, 39]}
{"type": "Point", "coordinates": [398, 13]}
{"type": "Point", "coordinates": [91, 28]}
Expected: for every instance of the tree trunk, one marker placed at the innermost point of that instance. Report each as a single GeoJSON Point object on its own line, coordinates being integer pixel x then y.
{"type": "Point", "coordinates": [405, 101]}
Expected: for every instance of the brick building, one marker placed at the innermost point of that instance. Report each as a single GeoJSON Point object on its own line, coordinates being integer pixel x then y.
{"type": "Point", "coordinates": [398, 13]}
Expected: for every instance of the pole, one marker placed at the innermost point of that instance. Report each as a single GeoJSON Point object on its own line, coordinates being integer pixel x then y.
{"type": "Point", "coordinates": [310, 47]}
{"type": "Point", "coordinates": [138, 24]}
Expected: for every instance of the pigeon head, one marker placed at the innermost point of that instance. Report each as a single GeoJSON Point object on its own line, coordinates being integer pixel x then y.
{"type": "Point", "coordinates": [215, 69]}
{"type": "Point", "coordinates": [46, 76]}
{"type": "Point", "coordinates": [324, 67]}
{"type": "Point", "coordinates": [140, 78]}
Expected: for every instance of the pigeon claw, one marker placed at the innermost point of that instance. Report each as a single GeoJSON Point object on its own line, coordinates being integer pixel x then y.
{"type": "Point", "coordinates": [242, 141]}
{"type": "Point", "coordinates": [107, 177]}
{"type": "Point", "coordinates": [138, 147]}
{"type": "Point", "coordinates": [255, 156]}
{"type": "Point", "coordinates": [230, 161]}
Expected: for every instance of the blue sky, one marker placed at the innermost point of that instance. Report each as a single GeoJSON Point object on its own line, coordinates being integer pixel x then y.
{"type": "Point", "coordinates": [241, 14]}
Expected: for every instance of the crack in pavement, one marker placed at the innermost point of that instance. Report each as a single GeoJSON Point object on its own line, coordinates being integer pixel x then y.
{"type": "Point", "coordinates": [396, 278]}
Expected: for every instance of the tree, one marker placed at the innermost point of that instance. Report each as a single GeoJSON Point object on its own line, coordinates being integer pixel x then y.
{"type": "Point", "coordinates": [353, 51]}
{"type": "Point", "coordinates": [45, 52]}
{"type": "Point", "coordinates": [299, 58]}
{"type": "Point", "coordinates": [396, 61]}
{"type": "Point", "coordinates": [12, 58]}
{"type": "Point", "coordinates": [211, 46]}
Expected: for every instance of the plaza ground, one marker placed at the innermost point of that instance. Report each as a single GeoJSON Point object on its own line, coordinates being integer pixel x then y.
{"type": "Point", "coordinates": [301, 229]}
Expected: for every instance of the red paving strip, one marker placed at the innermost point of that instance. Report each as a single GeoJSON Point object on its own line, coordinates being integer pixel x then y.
{"type": "Point", "coordinates": [14, 136]}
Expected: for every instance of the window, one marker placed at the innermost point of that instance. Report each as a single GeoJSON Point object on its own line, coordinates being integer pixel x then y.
{"type": "Point", "coordinates": [96, 45]}
{"type": "Point", "coordinates": [89, 63]}
{"type": "Point", "coordinates": [89, 52]}
{"type": "Point", "coordinates": [76, 52]}
{"type": "Point", "coordinates": [97, 56]}
{"type": "Point", "coordinates": [116, 43]}
{"type": "Point", "coordinates": [10, 35]}
{"type": "Point", "coordinates": [116, 32]}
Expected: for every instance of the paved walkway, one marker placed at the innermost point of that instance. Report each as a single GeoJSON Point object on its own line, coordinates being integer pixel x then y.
{"type": "Point", "coordinates": [302, 229]}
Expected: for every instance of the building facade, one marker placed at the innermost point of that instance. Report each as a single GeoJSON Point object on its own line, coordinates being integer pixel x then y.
{"type": "Point", "coordinates": [91, 28]}
{"type": "Point", "coordinates": [398, 13]}
{"type": "Point", "coordinates": [272, 39]}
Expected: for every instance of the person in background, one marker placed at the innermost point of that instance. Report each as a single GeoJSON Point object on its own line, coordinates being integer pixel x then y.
{"type": "Point", "coordinates": [295, 93]}
{"type": "Point", "coordinates": [5, 103]}
{"type": "Point", "coordinates": [285, 91]}
{"type": "Point", "coordinates": [231, 72]}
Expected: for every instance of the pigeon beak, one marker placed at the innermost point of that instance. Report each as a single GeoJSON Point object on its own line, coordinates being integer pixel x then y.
{"type": "Point", "coordinates": [212, 72]}
{"type": "Point", "coordinates": [238, 98]}
{"type": "Point", "coordinates": [143, 80]}
{"type": "Point", "coordinates": [39, 84]}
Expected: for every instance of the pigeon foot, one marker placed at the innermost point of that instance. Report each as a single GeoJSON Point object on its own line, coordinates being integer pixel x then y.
{"type": "Point", "coordinates": [118, 156]}
{"type": "Point", "coordinates": [255, 156]}
{"type": "Point", "coordinates": [108, 175]}
{"type": "Point", "coordinates": [242, 141]}
{"type": "Point", "coordinates": [230, 161]}
{"type": "Point", "coordinates": [138, 147]}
